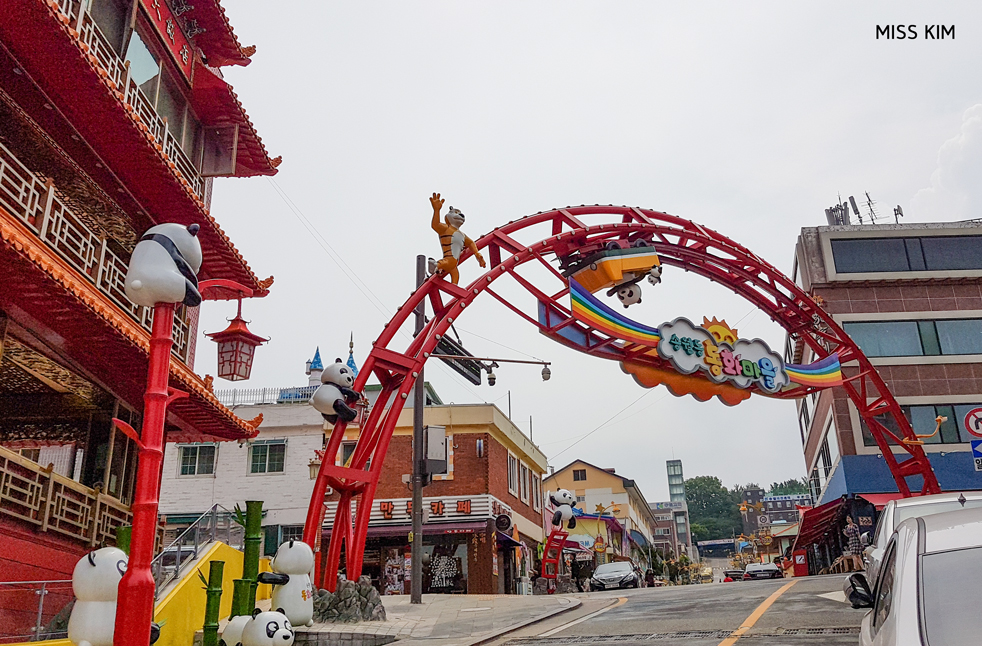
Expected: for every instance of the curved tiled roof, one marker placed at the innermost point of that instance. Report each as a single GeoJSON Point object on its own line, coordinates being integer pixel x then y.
{"type": "Point", "coordinates": [218, 42]}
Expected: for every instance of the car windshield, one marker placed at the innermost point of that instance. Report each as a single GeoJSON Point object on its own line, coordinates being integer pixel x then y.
{"type": "Point", "coordinates": [914, 511]}
{"type": "Point", "coordinates": [951, 618]}
{"type": "Point", "coordinates": [613, 568]}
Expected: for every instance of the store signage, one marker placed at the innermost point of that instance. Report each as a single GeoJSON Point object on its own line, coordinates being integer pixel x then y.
{"type": "Point", "coordinates": [744, 363]}
{"type": "Point", "coordinates": [973, 422]}
{"type": "Point", "coordinates": [399, 511]}
{"type": "Point", "coordinates": [167, 26]}
{"type": "Point", "coordinates": [977, 454]}
{"type": "Point", "coordinates": [599, 545]}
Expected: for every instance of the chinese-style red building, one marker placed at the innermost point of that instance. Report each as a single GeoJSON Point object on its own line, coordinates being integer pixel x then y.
{"type": "Point", "coordinates": [114, 116]}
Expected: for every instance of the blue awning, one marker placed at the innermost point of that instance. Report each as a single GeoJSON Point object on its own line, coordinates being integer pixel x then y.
{"type": "Point", "coordinates": [638, 538]}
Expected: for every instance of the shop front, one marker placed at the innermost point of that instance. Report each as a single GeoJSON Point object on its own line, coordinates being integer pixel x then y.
{"type": "Point", "coordinates": [463, 551]}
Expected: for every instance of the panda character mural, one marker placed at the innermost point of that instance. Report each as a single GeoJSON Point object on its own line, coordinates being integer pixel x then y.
{"type": "Point", "coordinates": [259, 629]}
{"type": "Point", "coordinates": [293, 594]}
{"type": "Point", "coordinates": [95, 582]}
{"type": "Point", "coordinates": [334, 397]}
{"type": "Point", "coordinates": [164, 266]}
{"type": "Point", "coordinates": [564, 501]}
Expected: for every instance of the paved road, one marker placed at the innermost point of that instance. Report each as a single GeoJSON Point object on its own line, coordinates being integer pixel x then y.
{"type": "Point", "coordinates": [707, 615]}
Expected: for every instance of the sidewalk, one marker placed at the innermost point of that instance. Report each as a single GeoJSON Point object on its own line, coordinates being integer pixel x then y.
{"type": "Point", "coordinates": [442, 620]}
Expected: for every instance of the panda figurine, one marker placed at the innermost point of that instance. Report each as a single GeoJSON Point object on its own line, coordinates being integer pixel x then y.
{"type": "Point", "coordinates": [629, 294]}
{"type": "Point", "coordinates": [293, 594]}
{"type": "Point", "coordinates": [95, 582]}
{"type": "Point", "coordinates": [164, 266]}
{"type": "Point", "coordinates": [259, 629]}
{"type": "Point", "coordinates": [333, 396]}
{"type": "Point", "coordinates": [564, 501]}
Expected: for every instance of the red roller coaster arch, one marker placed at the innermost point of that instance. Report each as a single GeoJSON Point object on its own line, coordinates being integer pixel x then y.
{"type": "Point", "coordinates": [678, 242]}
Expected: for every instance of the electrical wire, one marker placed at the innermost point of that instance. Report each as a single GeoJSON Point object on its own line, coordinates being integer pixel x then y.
{"type": "Point", "coordinates": [609, 420]}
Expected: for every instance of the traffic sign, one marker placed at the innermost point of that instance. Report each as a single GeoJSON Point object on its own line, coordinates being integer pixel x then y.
{"type": "Point", "coordinates": [973, 422]}
{"type": "Point", "coordinates": [763, 520]}
{"type": "Point", "coordinates": [977, 454]}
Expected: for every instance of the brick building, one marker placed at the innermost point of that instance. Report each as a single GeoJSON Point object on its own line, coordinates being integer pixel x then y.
{"type": "Point", "coordinates": [114, 117]}
{"type": "Point", "coordinates": [492, 470]}
{"type": "Point", "coordinates": [911, 296]}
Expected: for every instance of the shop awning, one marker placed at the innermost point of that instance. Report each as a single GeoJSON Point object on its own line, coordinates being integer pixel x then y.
{"type": "Point", "coordinates": [507, 541]}
{"type": "Point", "coordinates": [880, 500]}
{"type": "Point", "coordinates": [815, 523]}
{"type": "Point", "coordinates": [638, 538]}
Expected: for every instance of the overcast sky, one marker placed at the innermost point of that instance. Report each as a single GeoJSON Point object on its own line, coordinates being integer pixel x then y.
{"type": "Point", "coordinates": [748, 117]}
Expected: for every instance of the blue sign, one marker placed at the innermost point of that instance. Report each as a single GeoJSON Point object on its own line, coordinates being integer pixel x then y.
{"type": "Point", "coordinates": [977, 454]}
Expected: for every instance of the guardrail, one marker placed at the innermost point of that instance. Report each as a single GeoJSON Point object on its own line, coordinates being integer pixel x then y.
{"type": "Point", "coordinates": [218, 523]}
{"type": "Point", "coordinates": [253, 396]}
{"type": "Point", "coordinates": [34, 610]}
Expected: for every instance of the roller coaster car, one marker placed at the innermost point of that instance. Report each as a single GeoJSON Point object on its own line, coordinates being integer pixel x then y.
{"type": "Point", "coordinates": [618, 267]}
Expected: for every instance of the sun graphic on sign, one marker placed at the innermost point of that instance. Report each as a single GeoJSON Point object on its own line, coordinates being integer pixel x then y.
{"type": "Point", "coordinates": [720, 330]}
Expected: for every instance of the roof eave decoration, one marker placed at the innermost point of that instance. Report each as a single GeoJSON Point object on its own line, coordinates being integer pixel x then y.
{"type": "Point", "coordinates": [214, 34]}
{"type": "Point", "coordinates": [218, 105]}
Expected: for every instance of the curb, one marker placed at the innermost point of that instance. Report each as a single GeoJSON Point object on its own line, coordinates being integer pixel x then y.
{"type": "Point", "coordinates": [504, 631]}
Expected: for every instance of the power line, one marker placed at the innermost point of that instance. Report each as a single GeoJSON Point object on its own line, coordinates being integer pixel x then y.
{"type": "Point", "coordinates": [609, 420]}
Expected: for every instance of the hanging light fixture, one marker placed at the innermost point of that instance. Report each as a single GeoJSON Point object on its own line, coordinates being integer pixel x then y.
{"type": "Point", "coordinates": [236, 347]}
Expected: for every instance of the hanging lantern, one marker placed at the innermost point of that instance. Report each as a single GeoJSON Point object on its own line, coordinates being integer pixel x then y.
{"type": "Point", "coordinates": [236, 346]}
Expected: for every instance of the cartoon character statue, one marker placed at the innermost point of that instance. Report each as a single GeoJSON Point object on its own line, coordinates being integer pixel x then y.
{"type": "Point", "coordinates": [95, 582]}
{"type": "Point", "coordinates": [293, 595]}
{"type": "Point", "coordinates": [564, 501]}
{"type": "Point", "coordinates": [164, 266]}
{"type": "Point", "coordinates": [452, 240]}
{"type": "Point", "coordinates": [333, 397]}
{"type": "Point", "coordinates": [629, 291]}
{"type": "Point", "coordinates": [259, 629]}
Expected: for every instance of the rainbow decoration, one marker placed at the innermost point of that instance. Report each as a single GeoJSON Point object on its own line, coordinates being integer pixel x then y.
{"type": "Point", "coordinates": [587, 308]}
{"type": "Point", "coordinates": [590, 310]}
{"type": "Point", "coordinates": [821, 374]}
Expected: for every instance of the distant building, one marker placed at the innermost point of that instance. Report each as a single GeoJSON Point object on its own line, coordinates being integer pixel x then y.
{"type": "Point", "coordinates": [665, 532]}
{"type": "Point", "coordinates": [758, 510]}
{"type": "Point", "coordinates": [676, 493]}
{"type": "Point", "coordinates": [910, 295]}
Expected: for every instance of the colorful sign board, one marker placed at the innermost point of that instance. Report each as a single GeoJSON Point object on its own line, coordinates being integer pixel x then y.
{"type": "Point", "coordinates": [977, 454]}
{"type": "Point", "coordinates": [973, 422]}
{"type": "Point", "coordinates": [398, 511]}
{"type": "Point", "coordinates": [166, 24]}
{"type": "Point", "coordinates": [743, 363]}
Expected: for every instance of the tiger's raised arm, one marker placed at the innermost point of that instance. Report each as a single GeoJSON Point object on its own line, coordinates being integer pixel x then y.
{"type": "Point", "coordinates": [437, 203]}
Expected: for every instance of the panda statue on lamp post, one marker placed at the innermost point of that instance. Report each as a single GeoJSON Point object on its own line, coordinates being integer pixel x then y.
{"type": "Point", "coordinates": [164, 266]}
{"type": "Point", "coordinates": [334, 397]}
{"type": "Point", "coordinates": [564, 501]}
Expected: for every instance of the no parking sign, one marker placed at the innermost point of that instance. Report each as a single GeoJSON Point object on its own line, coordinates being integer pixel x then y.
{"type": "Point", "coordinates": [973, 422]}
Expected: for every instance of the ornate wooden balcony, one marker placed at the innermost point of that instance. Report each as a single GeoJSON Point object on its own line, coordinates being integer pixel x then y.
{"type": "Point", "coordinates": [95, 44]}
{"type": "Point", "coordinates": [54, 503]}
{"type": "Point", "coordinates": [35, 203]}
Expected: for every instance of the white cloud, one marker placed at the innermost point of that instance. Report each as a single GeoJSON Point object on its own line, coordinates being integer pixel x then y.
{"type": "Point", "coordinates": [955, 192]}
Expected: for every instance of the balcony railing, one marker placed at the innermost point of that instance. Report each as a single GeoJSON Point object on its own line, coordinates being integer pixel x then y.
{"type": "Point", "coordinates": [216, 524]}
{"type": "Point", "coordinates": [54, 503]}
{"type": "Point", "coordinates": [253, 396]}
{"type": "Point", "coordinates": [36, 204]}
{"type": "Point", "coordinates": [117, 71]}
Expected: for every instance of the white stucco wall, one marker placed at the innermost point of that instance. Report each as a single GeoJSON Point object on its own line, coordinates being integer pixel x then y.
{"type": "Point", "coordinates": [285, 495]}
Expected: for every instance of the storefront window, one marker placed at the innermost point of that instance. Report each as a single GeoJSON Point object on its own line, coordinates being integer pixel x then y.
{"type": "Point", "coordinates": [111, 16]}
{"type": "Point", "coordinates": [144, 67]}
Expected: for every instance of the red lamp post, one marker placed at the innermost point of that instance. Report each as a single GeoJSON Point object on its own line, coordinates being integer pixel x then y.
{"type": "Point", "coordinates": [236, 346]}
{"type": "Point", "coordinates": [134, 609]}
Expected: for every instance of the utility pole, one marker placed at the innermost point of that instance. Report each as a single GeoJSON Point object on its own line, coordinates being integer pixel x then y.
{"type": "Point", "coordinates": [416, 573]}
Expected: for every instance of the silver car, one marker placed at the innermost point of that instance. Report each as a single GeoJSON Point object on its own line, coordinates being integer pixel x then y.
{"type": "Point", "coordinates": [897, 511]}
{"type": "Point", "coordinates": [929, 585]}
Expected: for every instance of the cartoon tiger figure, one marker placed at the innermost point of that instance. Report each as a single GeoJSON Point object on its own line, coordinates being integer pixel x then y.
{"type": "Point", "coordinates": [452, 240]}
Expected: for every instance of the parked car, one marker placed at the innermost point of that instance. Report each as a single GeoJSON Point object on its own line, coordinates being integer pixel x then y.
{"type": "Point", "coordinates": [762, 571]}
{"type": "Point", "coordinates": [929, 586]}
{"type": "Point", "coordinates": [620, 574]}
{"type": "Point", "coordinates": [736, 575]}
{"type": "Point", "coordinates": [897, 511]}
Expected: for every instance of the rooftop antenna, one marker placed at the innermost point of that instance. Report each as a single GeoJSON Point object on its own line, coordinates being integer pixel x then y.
{"type": "Point", "coordinates": [898, 213]}
{"type": "Point", "coordinates": [869, 205]}
{"type": "Point", "coordinates": [855, 209]}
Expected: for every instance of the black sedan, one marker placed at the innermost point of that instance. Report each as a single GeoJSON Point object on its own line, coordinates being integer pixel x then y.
{"type": "Point", "coordinates": [615, 575]}
{"type": "Point", "coordinates": [756, 571]}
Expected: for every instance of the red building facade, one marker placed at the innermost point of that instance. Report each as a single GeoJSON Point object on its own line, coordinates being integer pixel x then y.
{"type": "Point", "coordinates": [114, 117]}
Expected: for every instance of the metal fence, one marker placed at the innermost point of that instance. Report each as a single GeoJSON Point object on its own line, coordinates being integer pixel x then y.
{"type": "Point", "coordinates": [253, 396]}
{"type": "Point", "coordinates": [216, 524]}
{"type": "Point", "coordinates": [34, 610]}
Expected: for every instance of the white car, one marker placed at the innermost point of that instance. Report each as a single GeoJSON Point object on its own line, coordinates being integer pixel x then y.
{"type": "Point", "coordinates": [897, 511]}
{"type": "Point", "coordinates": [929, 585]}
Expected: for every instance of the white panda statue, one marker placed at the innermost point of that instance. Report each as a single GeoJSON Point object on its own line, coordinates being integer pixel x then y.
{"type": "Point", "coordinates": [95, 583]}
{"type": "Point", "coordinates": [293, 594]}
{"type": "Point", "coordinates": [333, 396]}
{"type": "Point", "coordinates": [164, 266]}
{"type": "Point", "coordinates": [629, 294]}
{"type": "Point", "coordinates": [259, 629]}
{"type": "Point", "coordinates": [564, 502]}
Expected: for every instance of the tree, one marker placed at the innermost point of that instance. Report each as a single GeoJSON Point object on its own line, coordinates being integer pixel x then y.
{"type": "Point", "coordinates": [714, 508]}
{"type": "Point", "coordinates": [789, 487]}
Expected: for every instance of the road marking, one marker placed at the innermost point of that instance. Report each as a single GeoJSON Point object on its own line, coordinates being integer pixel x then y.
{"type": "Point", "coordinates": [749, 622]}
{"type": "Point", "coordinates": [835, 596]}
{"type": "Point", "coordinates": [620, 601]}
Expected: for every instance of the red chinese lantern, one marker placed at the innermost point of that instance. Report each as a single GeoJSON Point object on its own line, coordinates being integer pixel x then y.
{"type": "Point", "coordinates": [236, 346]}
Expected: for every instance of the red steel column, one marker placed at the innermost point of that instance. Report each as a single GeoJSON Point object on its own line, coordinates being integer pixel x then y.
{"type": "Point", "coordinates": [134, 610]}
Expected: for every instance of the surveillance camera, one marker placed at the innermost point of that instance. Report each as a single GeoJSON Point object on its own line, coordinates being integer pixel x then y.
{"type": "Point", "coordinates": [492, 378]}
{"type": "Point", "coordinates": [546, 373]}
